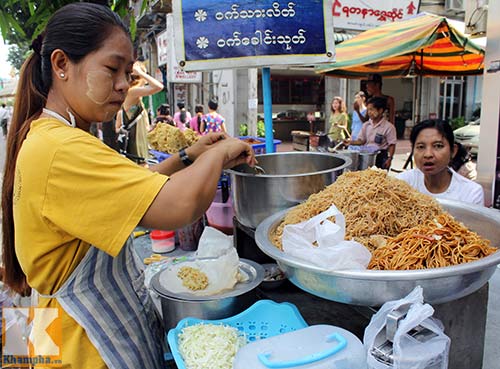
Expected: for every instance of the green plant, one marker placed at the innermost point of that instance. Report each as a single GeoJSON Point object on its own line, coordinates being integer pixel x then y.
{"type": "Point", "coordinates": [243, 129]}
{"type": "Point", "coordinates": [457, 122]}
{"type": "Point", "coordinates": [261, 129]}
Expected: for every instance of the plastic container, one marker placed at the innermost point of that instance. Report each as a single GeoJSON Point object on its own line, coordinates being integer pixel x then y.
{"type": "Point", "coordinates": [260, 148]}
{"type": "Point", "coordinates": [162, 241]}
{"type": "Point", "coordinates": [220, 214]}
{"type": "Point", "coordinates": [263, 319]}
{"type": "Point", "coordinates": [189, 236]}
{"type": "Point", "coordinates": [314, 347]}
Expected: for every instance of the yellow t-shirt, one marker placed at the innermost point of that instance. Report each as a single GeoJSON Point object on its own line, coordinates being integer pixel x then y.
{"type": "Point", "coordinates": [72, 191]}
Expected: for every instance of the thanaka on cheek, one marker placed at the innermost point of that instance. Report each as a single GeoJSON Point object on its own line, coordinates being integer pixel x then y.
{"type": "Point", "coordinates": [99, 86]}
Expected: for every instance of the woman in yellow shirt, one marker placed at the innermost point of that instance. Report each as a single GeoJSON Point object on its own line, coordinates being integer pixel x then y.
{"type": "Point", "coordinates": [70, 203]}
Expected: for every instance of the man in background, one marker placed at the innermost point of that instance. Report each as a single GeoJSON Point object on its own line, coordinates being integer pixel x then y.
{"type": "Point", "coordinates": [374, 89]}
{"type": "Point", "coordinates": [4, 119]}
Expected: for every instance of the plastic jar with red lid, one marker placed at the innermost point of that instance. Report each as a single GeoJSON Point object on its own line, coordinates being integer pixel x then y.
{"type": "Point", "coordinates": [162, 241]}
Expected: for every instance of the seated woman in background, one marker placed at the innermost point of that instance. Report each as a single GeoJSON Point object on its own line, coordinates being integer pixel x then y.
{"type": "Point", "coordinates": [433, 146]}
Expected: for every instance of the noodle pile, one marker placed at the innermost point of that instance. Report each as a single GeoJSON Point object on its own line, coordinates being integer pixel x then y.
{"type": "Point", "coordinates": [436, 243]}
{"type": "Point", "coordinates": [375, 206]}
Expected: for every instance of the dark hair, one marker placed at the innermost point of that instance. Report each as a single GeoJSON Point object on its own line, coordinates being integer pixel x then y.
{"type": "Point", "coordinates": [164, 109]}
{"type": "Point", "coordinates": [461, 157]}
{"type": "Point", "coordinates": [378, 102]}
{"type": "Point", "coordinates": [213, 104]}
{"type": "Point", "coordinates": [361, 94]}
{"type": "Point", "coordinates": [78, 29]}
{"type": "Point", "coordinates": [441, 126]}
{"type": "Point", "coordinates": [3, 105]}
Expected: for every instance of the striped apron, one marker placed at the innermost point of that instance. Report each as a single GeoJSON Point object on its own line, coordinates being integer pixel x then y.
{"type": "Point", "coordinates": [107, 297]}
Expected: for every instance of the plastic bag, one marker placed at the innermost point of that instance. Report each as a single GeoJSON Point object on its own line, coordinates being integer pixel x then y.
{"type": "Point", "coordinates": [216, 258]}
{"type": "Point", "coordinates": [321, 242]}
{"type": "Point", "coordinates": [409, 352]}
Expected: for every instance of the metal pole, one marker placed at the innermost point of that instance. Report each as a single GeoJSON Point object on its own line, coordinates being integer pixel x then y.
{"type": "Point", "coordinates": [445, 92]}
{"type": "Point", "coordinates": [268, 108]}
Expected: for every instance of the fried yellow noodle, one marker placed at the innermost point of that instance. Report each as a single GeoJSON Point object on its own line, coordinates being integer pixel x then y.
{"type": "Point", "coordinates": [374, 205]}
{"type": "Point", "coordinates": [437, 243]}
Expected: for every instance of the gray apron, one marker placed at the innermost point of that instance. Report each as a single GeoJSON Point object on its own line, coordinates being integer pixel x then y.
{"type": "Point", "coordinates": [107, 297]}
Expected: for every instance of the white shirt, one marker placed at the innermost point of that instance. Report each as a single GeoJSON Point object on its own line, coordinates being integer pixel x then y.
{"type": "Point", "coordinates": [460, 188]}
{"type": "Point", "coordinates": [4, 113]}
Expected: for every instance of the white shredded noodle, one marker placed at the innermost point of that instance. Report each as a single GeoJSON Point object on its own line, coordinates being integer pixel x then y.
{"type": "Point", "coordinates": [211, 346]}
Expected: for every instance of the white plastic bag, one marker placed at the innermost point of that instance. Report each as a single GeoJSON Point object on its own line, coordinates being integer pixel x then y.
{"type": "Point", "coordinates": [321, 242]}
{"type": "Point", "coordinates": [216, 258]}
{"type": "Point", "coordinates": [409, 352]}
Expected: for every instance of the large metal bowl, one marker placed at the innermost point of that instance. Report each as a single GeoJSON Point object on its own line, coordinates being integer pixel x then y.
{"type": "Point", "coordinates": [374, 287]}
{"type": "Point", "coordinates": [289, 180]}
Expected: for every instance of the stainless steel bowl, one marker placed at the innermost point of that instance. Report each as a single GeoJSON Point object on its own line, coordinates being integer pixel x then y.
{"type": "Point", "coordinates": [374, 287]}
{"type": "Point", "coordinates": [175, 307]}
{"type": "Point", "coordinates": [290, 178]}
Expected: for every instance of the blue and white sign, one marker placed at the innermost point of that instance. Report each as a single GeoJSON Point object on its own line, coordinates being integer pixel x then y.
{"type": "Point", "coordinates": [215, 34]}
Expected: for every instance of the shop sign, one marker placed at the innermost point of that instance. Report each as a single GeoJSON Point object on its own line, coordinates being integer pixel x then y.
{"type": "Point", "coordinates": [218, 34]}
{"type": "Point", "coordinates": [162, 46]}
{"type": "Point", "coordinates": [176, 74]}
{"type": "Point", "coordinates": [367, 14]}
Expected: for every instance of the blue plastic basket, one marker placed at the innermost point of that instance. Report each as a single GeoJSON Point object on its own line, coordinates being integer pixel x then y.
{"type": "Point", "coordinates": [263, 319]}
{"type": "Point", "coordinates": [261, 147]}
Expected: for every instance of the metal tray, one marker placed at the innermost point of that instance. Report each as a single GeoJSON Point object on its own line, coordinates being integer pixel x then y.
{"type": "Point", "coordinates": [254, 271]}
{"type": "Point", "coordinates": [374, 287]}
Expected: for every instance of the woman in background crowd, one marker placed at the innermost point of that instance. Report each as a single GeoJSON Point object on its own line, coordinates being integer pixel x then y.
{"type": "Point", "coordinates": [338, 121]}
{"type": "Point", "coordinates": [132, 121]}
{"type": "Point", "coordinates": [433, 147]}
{"type": "Point", "coordinates": [182, 118]}
{"type": "Point", "coordinates": [195, 123]}
{"type": "Point", "coordinates": [163, 115]}
{"type": "Point", "coordinates": [358, 114]}
{"type": "Point", "coordinates": [213, 121]}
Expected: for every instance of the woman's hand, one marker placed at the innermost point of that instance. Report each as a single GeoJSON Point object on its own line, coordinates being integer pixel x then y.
{"type": "Point", "coordinates": [235, 151]}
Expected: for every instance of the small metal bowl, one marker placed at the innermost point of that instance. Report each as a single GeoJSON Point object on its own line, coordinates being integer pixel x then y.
{"type": "Point", "coordinates": [273, 276]}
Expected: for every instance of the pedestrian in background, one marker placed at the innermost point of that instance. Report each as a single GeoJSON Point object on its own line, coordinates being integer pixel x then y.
{"type": "Point", "coordinates": [70, 203]}
{"type": "Point", "coordinates": [338, 122]}
{"type": "Point", "coordinates": [182, 118]}
{"type": "Point", "coordinates": [358, 115]}
{"type": "Point", "coordinates": [374, 89]}
{"type": "Point", "coordinates": [4, 119]}
{"type": "Point", "coordinates": [132, 121]}
{"type": "Point", "coordinates": [195, 123]}
{"type": "Point", "coordinates": [378, 132]}
{"type": "Point", "coordinates": [163, 115]}
{"type": "Point", "coordinates": [213, 121]}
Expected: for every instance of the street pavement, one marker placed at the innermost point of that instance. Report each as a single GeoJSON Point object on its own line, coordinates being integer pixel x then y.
{"type": "Point", "coordinates": [492, 345]}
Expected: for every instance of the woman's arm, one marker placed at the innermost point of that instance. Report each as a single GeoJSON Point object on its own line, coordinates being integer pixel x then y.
{"type": "Point", "coordinates": [151, 88]}
{"type": "Point", "coordinates": [190, 191]}
{"type": "Point", "coordinates": [119, 120]}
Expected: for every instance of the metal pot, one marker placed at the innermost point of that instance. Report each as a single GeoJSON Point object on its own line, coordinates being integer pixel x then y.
{"type": "Point", "coordinates": [374, 287]}
{"type": "Point", "coordinates": [225, 304]}
{"type": "Point", "coordinates": [354, 156]}
{"type": "Point", "coordinates": [290, 178]}
{"type": "Point", "coordinates": [367, 160]}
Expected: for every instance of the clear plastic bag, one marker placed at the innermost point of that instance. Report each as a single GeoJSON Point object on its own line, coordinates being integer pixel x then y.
{"type": "Point", "coordinates": [321, 242]}
{"type": "Point", "coordinates": [410, 351]}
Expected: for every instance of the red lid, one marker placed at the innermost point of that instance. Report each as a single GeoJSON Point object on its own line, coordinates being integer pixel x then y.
{"type": "Point", "coordinates": [161, 235]}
